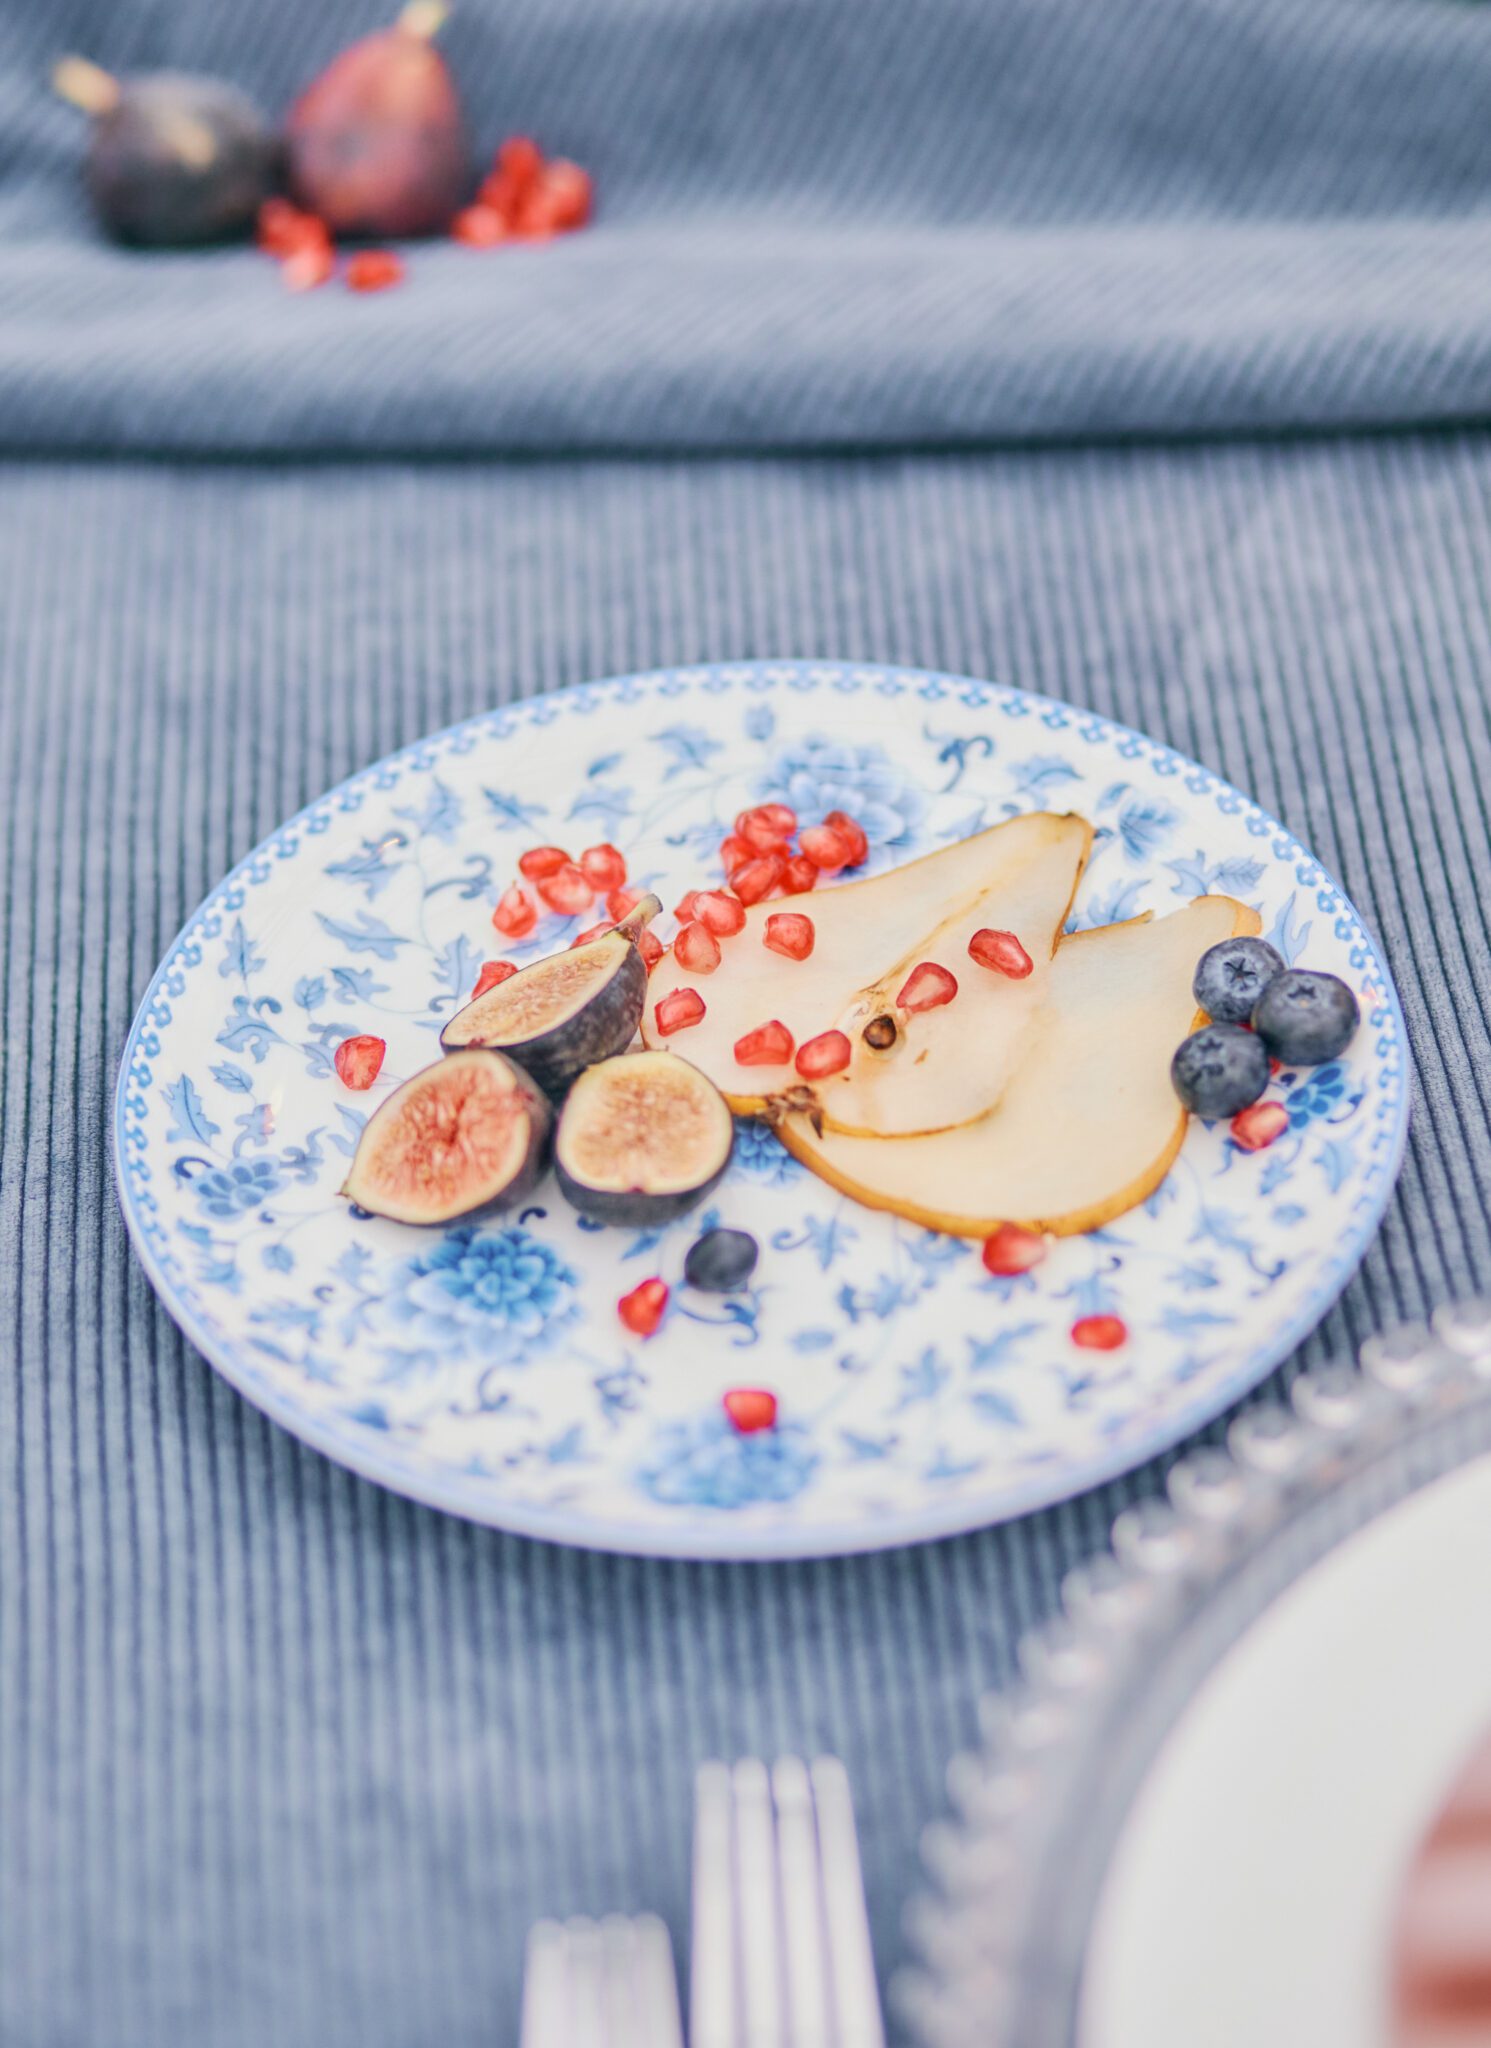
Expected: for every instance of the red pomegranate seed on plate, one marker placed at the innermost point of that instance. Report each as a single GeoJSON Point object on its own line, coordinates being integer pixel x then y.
{"type": "Point", "coordinates": [539, 862]}
{"type": "Point", "coordinates": [790, 933]}
{"type": "Point", "coordinates": [676, 1012]}
{"type": "Point", "coordinates": [853, 834]}
{"type": "Point", "coordinates": [516, 914]}
{"type": "Point", "coordinates": [1012, 1250]}
{"type": "Point", "coordinates": [724, 914]}
{"type": "Point", "coordinates": [756, 878]}
{"type": "Point", "coordinates": [593, 932]}
{"type": "Point", "coordinates": [1100, 1333]}
{"type": "Point", "coordinates": [604, 866]}
{"type": "Point", "coordinates": [1256, 1127]}
{"type": "Point", "coordinates": [733, 851]}
{"type": "Point", "coordinates": [374, 270]}
{"type": "Point", "coordinates": [801, 875]}
{"type": "Point", "coordinates": [683, 909]}
{"type": "Point", "coordinates": [769, 1045]}
{"type": "Point", "coordinates": [697, 949]}
{"type": "Point", "coordinates": [567, 890]}
{"type": "Point", "coordinates": [642, 1309]}
{"type": "Point", "coordinates": [620, 901]}
{"type": "Point", "coordinates": [359, 1060]}
{"type": "Point", "coordinates": [1002, 951]}
{"type": "Point", "coordinates": [825, 847]}
{"type": "Point", "coordinates": [758, 831]}
{"type": "Point", "coordinates": [492, 971]}
{"type": "Point", "coordinates": [829, 1053]}
{"type": "Point", "coordinates": [926, 987]}
{"type": "Point", "coordinates": [650, 948]}
{"type": "Point", "coordinates": [750, 1409]}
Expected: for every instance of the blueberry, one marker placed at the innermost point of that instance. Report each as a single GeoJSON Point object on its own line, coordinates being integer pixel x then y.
{"type": "Point", "coordinates": [1306, 1019]}
{"type": "Point", "coordinates": [1220, 1070]}
{"type": "Point", "coordinates": [1232, 976]}
{"type": "Point", "coordinates": [721, 1260]}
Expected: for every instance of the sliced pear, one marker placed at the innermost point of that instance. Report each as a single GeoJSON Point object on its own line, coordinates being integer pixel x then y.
{"type": "Point", "coordinates": [944, 1066]}
{"type": "Point", "coordinates": [1089, 1124]}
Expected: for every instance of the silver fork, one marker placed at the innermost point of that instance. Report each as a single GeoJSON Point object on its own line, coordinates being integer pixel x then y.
{"type": "Point", "coordinates": [781, 1949]}
{"type": "Point", "coordinates": [600, 1984]}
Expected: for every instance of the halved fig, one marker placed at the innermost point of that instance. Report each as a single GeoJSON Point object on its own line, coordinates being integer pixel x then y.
{"type": "Point", "coordinates": [642, 1138]}
{"type": "Point", "coordinates": [566, 1011]}
{"type": "Point", "coordinates": [469, 1133]}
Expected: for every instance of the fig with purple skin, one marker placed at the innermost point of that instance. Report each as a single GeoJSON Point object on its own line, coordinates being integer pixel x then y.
{"type": "Point", "coordinates": [641, 1139]}
{"type": "Point", "coordinates": [469, 1134]}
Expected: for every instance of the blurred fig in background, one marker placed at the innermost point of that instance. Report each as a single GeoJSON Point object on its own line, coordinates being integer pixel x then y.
{"type": "Point", "coordinates": [171, 159]}
{"type": "Point", "coordinates": [376, 144]}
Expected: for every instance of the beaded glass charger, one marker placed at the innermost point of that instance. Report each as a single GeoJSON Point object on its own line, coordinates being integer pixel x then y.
{"type": "Point", "coordinates": [483, 1368]}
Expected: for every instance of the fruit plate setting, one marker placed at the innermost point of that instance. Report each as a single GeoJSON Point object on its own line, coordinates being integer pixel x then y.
{"type": "Point", "coordinates": [483, 1367]}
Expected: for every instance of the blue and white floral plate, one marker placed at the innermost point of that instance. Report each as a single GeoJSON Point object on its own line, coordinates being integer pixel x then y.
{"type": "Point", "coordinates": [484, 1369]}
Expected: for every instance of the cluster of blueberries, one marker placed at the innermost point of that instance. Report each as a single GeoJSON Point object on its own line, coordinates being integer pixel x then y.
{"type": "Point", "coordinates": [1260, 1009]}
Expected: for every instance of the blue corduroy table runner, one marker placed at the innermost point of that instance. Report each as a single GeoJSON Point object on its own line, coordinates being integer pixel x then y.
{"type": "Point", "coordinates": [285, 1759]}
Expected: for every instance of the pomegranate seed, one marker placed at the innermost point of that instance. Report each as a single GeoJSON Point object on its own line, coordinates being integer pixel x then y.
{"type": "Point", "coordinates": [926, 987]}
{"type": "Point", "coordinates": [1012, 1250]}
{"type": "Point", "coordinates": [853, 834]}
{"type": "Point", "coordinates": [516, 915]}
{"type": "Point", "coordinates": [642, 1309]}
{"type": "Point", "coordinates": [568, 194]}
{"type": "Point", "coordinates": [676, 1012]}
{"type": "Point", "coordinates": [789, 932]}
{"type": "Point", "coordinates": [756, 878]}
{"type": "Point", "coordinates": [539, 862]}
{"type": "Point", "coordinates": [759, 833]}
{"type": "Point", "coordinates": [1002, 951]}
{"type": "Point", "coordinates": [283, 229]}
{"type": "Point", "coordinates": [358, 1061]}
{"type": "Point", "coordinates": [492, 971]}
{"type": "Point", "coordinates": [479, 227]}
{"type": "Point", "coordinates": [750, 1409]}
{"type": "Point", "coordinates": [567, 890]}
{"type": "Point", "coordinates": [829, 1053]}
{"type": "Point", "coordinates": [620, 901]}
{"type": "Point", "coordinates": [825, 847]}
{"type": "Point", "coordinates": [517, 168]}
{"type": "Point", "coordinates": [697, 949]}
{"type": "Point", "coordinates": [781, 818]}
{"type": "Point", "coordinates": [650, 948]}
{"type": "Point", "coordinates": [584, 938]}
{"type": "Point", "coordinates": [303, 269]}
{"type": "Point", "coordinates": [1100, 1333]}
{"type": "Point", "coordinates": [724, 914]}
{"type": "Point", "coordinates": [733, 851]}
{"type": "Point", "coordinates": [374, 270]}
{"type": "Point", "coordinates": [1257, 1126]}
{"type": "Point", "coordinates": [604, 865]}
{"type": "Point", "coordinates": [683, 909]}
{"type": "Point", "coordinates": [769, 1045]}
{"type": "Point", "coordinates": [801, 875]}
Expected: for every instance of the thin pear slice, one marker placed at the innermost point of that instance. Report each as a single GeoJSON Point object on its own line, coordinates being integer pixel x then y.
{"type": "Point", "coordinates": [1089, 1125]}
{"type": "Point", "coordinates": [868, 936]}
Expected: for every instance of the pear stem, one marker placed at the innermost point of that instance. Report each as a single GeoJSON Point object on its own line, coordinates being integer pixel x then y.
{"type": "Point", "coordinates": [423, 18]}
{"type": "Point", "coordinates": [85, 85]}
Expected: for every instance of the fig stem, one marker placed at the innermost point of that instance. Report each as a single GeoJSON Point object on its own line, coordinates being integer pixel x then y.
{"type": "Point", "coordinates": [85, 85]}
{"type": "Point", "coordinates": [423, 18]}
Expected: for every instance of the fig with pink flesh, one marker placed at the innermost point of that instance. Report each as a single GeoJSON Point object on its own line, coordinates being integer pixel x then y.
{"type": "Point", "coordinates": [642, 1138]}
{"type": "Point", "coordinates": [468, 1134]}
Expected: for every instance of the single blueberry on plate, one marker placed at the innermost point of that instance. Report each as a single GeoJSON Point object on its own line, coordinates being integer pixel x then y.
{"type": "Point", "coordinates": [1306, 1019]}
{"type": "Point", "coordinates": [1220, 1069]}
{"type": "Point", "coordinates": [1232, 976]}
{"type": "Point", "coordinates": [721, 1260]}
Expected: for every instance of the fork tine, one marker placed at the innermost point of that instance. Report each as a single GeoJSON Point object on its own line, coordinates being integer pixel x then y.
{"type": "Point", "coordinates": [856, 1998]}
{"type": "Point", "coordinates": [658, 2022]}
{"type": "Point", "coordinates": [804, 1928]}
{"type": "Point", "coordinates": [544, 1996]}
{"type": "Point", "coordinates": [605, 1986]}
{"type": "Point", "coordinates": [758, 1906]}
{"type": "Point", "coordinates": [712, 1954]}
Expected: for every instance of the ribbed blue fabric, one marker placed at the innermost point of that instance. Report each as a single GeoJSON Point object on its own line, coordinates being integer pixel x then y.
{"type": "Point", "coordinates": [849, 222]}
{"type": "Point", "coordinates": [283, 1758]}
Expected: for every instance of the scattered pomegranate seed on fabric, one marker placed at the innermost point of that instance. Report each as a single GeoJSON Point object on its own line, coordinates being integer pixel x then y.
{"type": "Point", "coordinates": [697, 949]}
{"type": "Point", "coordinates": [620, 901]}
{"type": "Point", "coordinates": [724, 914]}
{"type": "Point", "coordinates": [567, 890]}
{"type": "Point", "coordinates": [676, 1012]}
{"type": "Point", "coordinates": [604, 866]}
{"type": "Point", "coordinates": [541, 861]}
{"type": "Point", "coordinates": [492, 972]}
{"type": "Point", "coordinates": [642, 1309]}
{"type": "Point", "coordinates": [359, 1061]}
{"type": "Point", "coordinates": [1002, 951]}
{"type": "Point", "coordinates": [650, 947]}
{"type": "Point", "coordinates": [800, 876]}
{"type": "Point", "coordinates": [567, 193]}
{"type": "Point", "coordinates": [1257, 1126]}
{"type": "Point", "coordinates": [853, 834]}
{"type": "Point", "coordinates": [1011, 1249]}
{"type": "Point", "coordinates": [516, 914]}
{"type": "Point", "coordinates": [825, 847]}
{"type": "Point", "coordinates": [750, 1409]}
{"type": "Point", "coordinates": [479, 227]}
{"type": "Point", "coordinates": [769, 1045]}
{"type": "Point", "coordinates": [1100, 1333]}
{"type": "Point", "coordinates": [829, 1053]}
{"type": "Point", "coordinates": [304, 269]}
{"type": "Point", "coordinates": [926, 987]}
{"type": "Point", "coordinates": [790, 933]}
{"type": "Point", "coordinates": [374, 270]}
{"type": "Point", "coordinates": [516, 169]}
{"type": "Point", "coordinates": [283, 229]}
{"type": "Point", "coordinates": [756, 878]}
